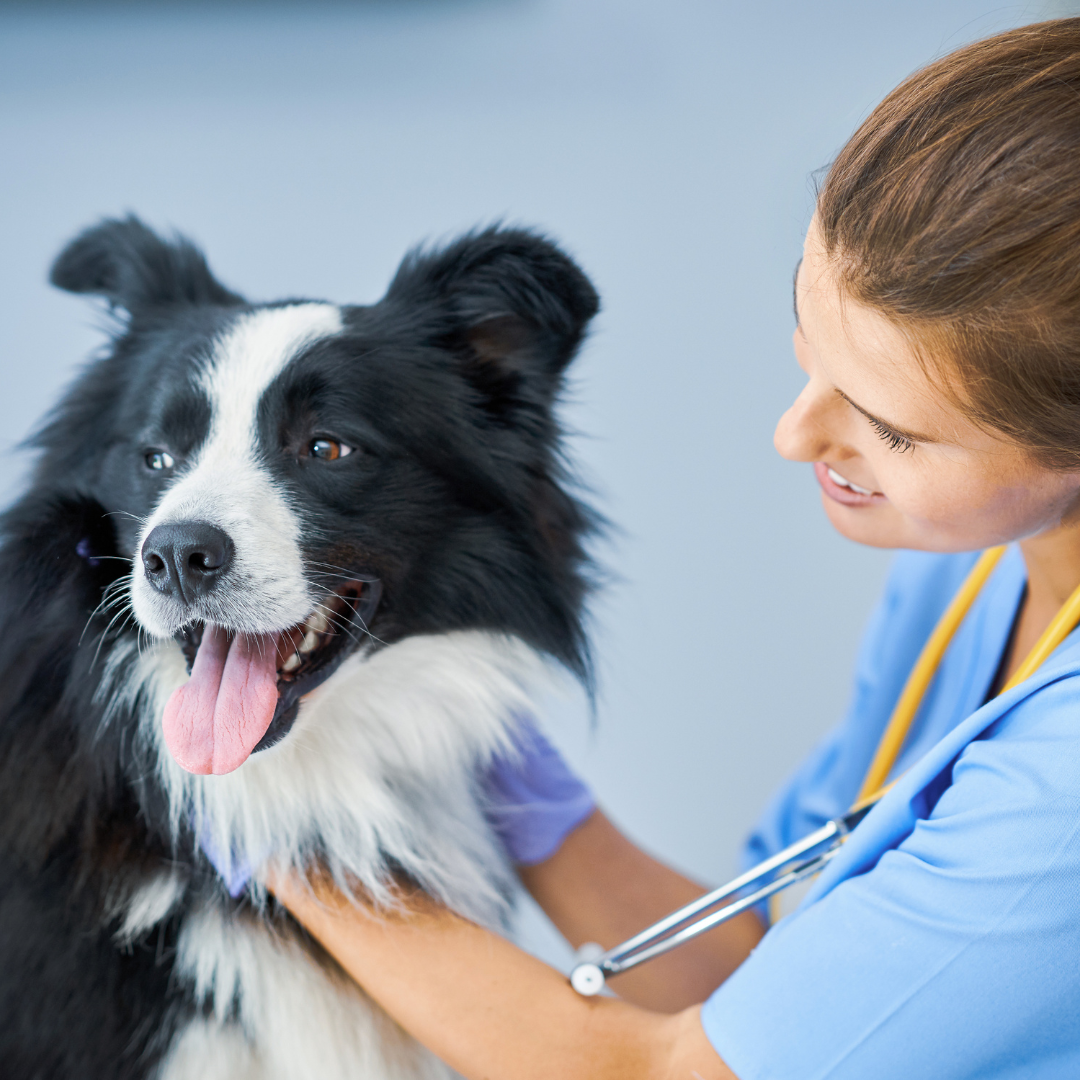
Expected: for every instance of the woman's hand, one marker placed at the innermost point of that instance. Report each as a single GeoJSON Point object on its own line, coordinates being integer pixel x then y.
{"type": "Point", "coordinates": [486, 1008]}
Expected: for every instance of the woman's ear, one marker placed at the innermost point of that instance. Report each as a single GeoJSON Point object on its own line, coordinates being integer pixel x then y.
{"type": "Point", "coordinates": [509, 304]}
{"type": "Point", "coordinates": [134, 268]}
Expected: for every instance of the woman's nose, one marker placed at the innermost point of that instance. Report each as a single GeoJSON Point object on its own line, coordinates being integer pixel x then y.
{"type": "Point", "coordinates": [803, 432]}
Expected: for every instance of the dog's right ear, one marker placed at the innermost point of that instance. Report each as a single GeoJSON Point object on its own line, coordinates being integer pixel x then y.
{"type": "Point", "coordinates": [134, 268]}
{"type": "Point", "coordinates": [514, 310]}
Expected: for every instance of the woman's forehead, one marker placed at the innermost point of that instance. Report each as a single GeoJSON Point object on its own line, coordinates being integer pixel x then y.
{"type": "Point", "coordinates": [870, 361]}
{"type": "Point", "coordinates": [846, 330]}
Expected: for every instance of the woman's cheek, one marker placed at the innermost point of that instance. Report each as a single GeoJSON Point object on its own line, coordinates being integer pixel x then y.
{"type": "Point", "coordinates": [950, 506]}
{"type": "Point", "coordinates": [917, 491]}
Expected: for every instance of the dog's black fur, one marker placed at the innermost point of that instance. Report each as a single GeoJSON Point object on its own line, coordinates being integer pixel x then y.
{"type": "Point", "coordinates": [456, 500]}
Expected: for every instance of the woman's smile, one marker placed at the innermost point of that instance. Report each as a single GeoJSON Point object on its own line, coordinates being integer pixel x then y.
{"type": "Point", "coordinates": [844, 490]}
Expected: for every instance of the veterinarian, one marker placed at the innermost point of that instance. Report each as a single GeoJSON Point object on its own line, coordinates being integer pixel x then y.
{"type": "Point", "coordinates": [938, 308]}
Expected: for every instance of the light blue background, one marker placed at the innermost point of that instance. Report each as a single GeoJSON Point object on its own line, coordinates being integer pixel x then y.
{"type": "Point", "coordinates": [668, 144]}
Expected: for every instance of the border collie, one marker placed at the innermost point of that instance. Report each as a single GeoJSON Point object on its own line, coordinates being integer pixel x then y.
{"type": "Point", "coordinates": [283, 578]}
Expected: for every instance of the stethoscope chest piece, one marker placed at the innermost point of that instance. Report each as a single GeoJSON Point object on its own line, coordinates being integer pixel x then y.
{"type": "Point", "coordinates": [587, 979]}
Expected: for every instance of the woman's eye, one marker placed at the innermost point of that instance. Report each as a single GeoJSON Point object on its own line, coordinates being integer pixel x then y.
{"type": "Point", "coordinates": [159, 460]}
{"type": "Point", "coordinates": [327, 449]}
{"type": "Point", "coordinates": [893, 440]}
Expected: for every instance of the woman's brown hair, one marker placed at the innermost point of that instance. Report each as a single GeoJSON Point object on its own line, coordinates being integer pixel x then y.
{"type": "Point", "coordinates": [955, 211]}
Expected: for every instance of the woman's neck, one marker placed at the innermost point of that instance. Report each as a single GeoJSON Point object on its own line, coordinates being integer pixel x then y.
{"type": "Point", "coordinates": [1053, 566]}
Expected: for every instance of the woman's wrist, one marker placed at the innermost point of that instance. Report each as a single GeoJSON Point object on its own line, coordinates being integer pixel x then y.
{"type": "Point", "coordinates": [600, 887]}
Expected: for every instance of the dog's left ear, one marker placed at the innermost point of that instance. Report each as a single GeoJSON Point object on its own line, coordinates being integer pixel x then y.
{"type": "Point", "coordinates": [131, 266]}
{"type": "Point", "coordinates": [513, 306]}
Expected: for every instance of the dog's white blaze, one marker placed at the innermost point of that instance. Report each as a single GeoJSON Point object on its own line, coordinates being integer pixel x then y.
{"type": "Point", "coordinates": [277, 1015]}
{"type": "Point", "coordinates": [229, 486]}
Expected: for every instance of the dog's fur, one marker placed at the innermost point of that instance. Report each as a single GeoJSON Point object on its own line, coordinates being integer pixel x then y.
{"type": "Point", "coordinates": [122, 953]}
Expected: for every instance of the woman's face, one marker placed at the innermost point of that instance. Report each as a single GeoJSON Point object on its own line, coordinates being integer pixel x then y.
{"type": "Point", "coordinates": [898, 465]}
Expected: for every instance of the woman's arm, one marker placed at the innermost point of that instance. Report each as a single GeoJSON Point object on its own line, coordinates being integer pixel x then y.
{"type": "Point", "coordinates": [488, 1009]}
{"type": "Point", "coordinates": [598, 886]}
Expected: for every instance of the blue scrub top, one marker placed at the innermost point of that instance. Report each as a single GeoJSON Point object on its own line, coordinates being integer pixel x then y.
{"type": "Point", "coordinates": [944, 940]}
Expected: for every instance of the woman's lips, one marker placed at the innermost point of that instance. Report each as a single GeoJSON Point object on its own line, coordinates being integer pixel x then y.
{"type": "Point", "coordinates": [844, 492]}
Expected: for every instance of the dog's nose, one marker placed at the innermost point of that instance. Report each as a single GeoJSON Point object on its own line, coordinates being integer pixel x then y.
{"type": "Point", "coordinates": [186, 559]}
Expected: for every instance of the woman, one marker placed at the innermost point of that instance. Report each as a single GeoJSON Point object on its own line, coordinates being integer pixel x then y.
{"type": "Point", "coordinates": [938, 309]}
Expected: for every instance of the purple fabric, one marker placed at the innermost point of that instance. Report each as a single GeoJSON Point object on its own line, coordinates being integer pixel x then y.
{"type": "Point", "coordinates": [535, 801]}
{"type": "Point", "coordinates": [85, 551]}
{"type": "Point", "coordinates": [233, 871]}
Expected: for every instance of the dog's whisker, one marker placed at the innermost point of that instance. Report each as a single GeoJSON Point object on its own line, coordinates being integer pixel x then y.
{"type": "Point", "coordinates": [346, 622]}
{"type": "Point", "coordinates": [123, 614]}
{"type": "Point", "coordinates": [349, 627]}
{"type": "Point", "coordinates": [334, 567]}
{"type": "Point", "coordinates": [114, 593]}
{"type": "Point", "coordinates": [330, 570]}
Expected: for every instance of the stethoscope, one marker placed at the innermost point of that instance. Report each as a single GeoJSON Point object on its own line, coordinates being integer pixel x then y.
{"type": "Point", "coordinates": [808, 856]}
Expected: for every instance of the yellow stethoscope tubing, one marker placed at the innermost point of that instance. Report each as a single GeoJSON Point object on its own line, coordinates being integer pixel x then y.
{"type": "Point", "coordinates": [588, 977]}
{"type": "Point", "coordinates": [922, 674]}
{"type": "Point", "coordinates": [907, 705]}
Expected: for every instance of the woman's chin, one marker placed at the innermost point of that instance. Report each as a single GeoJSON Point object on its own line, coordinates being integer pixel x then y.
{"type": "Point", "coordinates": [883, 526]}
{"type": "Point", "coordinates": [877, 525]}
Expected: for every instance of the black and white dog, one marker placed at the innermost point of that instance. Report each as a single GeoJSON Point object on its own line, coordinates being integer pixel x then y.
{"type": "Point", "coordinates": [283, 578]}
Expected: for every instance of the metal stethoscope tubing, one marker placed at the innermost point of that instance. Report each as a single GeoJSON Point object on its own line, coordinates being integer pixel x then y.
{"type": "Point", "coordinates": [589, 976]}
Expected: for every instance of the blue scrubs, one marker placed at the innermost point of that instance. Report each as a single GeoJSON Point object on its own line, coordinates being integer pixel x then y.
{"type": "Point", "coordinates": [944, 940]}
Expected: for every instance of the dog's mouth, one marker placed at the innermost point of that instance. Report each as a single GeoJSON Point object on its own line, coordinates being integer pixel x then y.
{"type": "Point", "coordinates": [245, 689]}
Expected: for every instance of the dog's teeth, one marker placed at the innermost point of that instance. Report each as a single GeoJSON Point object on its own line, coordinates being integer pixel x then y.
{"type": "Point", "coordinates": [317, 623]}
{"type": "Point", "coordinates": [311, 640]}
{"type": "Point", "coordinates": [292, 663]}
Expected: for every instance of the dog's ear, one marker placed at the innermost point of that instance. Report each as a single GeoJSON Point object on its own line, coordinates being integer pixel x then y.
{"type": "Point", "coordinates": [134, 268]}
{"type": "Point", "coordinates": [514, 308]}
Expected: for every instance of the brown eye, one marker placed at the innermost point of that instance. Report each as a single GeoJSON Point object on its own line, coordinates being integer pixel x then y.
{"type": "Point", "coordinates": [327, 449]}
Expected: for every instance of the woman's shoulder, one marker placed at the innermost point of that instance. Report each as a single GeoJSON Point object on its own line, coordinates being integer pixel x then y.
{"type": "Point", "coordinates": [1035, 743]}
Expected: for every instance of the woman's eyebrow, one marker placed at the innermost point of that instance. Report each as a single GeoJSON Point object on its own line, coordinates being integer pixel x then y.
{"type": "Point", "coordinates": [914, 436]}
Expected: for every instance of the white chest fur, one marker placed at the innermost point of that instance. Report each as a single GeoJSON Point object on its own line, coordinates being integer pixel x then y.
{"type": "Point", "coordinates": [380, 765]}
{"type": "Point", "coordinates": [276, 1014]}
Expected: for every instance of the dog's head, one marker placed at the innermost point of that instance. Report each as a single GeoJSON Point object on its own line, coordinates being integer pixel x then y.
{"type": "Point", "coordinates": [300, 480]}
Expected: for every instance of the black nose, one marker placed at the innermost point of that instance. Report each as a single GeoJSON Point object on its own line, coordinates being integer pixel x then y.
{"type": "Point", "coordinates": [186, 559]}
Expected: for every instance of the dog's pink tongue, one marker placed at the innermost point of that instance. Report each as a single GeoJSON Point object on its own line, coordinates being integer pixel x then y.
{"type": "Point", "coordinates": [214, 721]}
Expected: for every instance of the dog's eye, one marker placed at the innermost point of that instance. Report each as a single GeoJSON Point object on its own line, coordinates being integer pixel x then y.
{"type": "Point", "coordinates": [327, 449]}
{"type": "Point", "coordinates": [159, 460]}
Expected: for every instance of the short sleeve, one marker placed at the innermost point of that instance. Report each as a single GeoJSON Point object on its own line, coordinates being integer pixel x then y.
{"type": "Point", "coordinates": [957, 954]}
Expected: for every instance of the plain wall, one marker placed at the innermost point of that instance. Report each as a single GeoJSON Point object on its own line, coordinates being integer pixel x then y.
{"type": "Point", "coordinates": [669, 145]}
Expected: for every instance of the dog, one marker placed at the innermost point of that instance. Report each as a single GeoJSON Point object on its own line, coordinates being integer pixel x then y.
{"type": "Point", "coordinates": [284, 579]}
